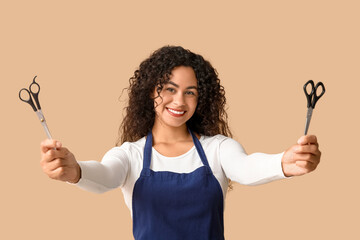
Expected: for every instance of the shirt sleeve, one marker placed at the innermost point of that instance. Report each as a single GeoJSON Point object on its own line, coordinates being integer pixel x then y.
{"type": "Point", "coordinates": [110, 173]}
{"type": "Point", "coordinates": [253, 169]}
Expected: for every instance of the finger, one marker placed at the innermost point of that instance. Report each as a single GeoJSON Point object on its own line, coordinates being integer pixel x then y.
{"type": "Point", "coordinates": [53, 165]}
{"type": "Point", "coordinates": [306, 166]}
{"type": "Point", "coordinates": [309, 148]}
{"type": "Point", "coordinates": [49, 144]}
{"type": "Point", "coordinates": [307, 157]}
{"type": "Point", "coordinates": [308, 139]}
{"type": "Point", "coordinates": [49, 156]}
{"type": "Point", "coordinates": [62, 152]}
{"type": "Point", "coordinates": [53, 154]}
{"type": "Point", "coordinates": [57, 173]}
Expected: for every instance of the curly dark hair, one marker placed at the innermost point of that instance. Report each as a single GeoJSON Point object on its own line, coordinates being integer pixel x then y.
{"type": "Point", "coordinates": [210, 117]}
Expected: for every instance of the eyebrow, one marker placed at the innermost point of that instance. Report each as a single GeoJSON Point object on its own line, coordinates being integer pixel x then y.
{"type": "Point", "coordinates": [190, 87]}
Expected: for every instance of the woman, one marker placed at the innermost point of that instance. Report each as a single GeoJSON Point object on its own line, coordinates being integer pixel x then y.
{"type": "Point", "coordinates": [175, 157]}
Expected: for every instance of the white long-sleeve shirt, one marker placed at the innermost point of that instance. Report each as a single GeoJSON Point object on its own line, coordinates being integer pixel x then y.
{"type": "Point", "coordinates": [121, 166]}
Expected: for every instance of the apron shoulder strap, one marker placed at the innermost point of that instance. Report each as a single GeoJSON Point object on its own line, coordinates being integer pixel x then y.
{"type": "Point", "coordinates": [147, 155]}
{"type": "Point", "coordinates": [200, 151]}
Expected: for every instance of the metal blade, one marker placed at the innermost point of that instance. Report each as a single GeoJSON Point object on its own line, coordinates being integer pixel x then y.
{"type": "Point", "coordinates": [308, 118]}
{"type": "Point", "coordinates": [43, 123]}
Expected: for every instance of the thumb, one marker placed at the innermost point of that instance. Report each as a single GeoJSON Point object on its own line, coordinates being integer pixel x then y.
{"type": "Point", "coordinates": [48, 144]}
{"type": "Point", "coordinates": [301, 140]}
{"type": "Point", "coordinates": [308, 139]}
{"type": "Point", "coordinates": [288, 156]}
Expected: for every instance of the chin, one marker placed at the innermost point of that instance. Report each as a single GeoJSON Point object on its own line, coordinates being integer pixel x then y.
{"type": "Point", "coordinates": [173, 123]}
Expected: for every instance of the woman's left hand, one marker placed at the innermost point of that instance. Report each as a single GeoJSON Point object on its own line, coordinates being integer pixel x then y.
{"type": "Point", "coordinates": [301, 158]}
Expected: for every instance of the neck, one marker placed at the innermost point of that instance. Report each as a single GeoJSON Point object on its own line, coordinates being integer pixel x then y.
{"type": "Point", "coordinates": [169, 134]}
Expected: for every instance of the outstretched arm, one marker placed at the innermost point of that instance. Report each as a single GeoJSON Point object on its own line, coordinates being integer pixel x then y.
{"type": "Point", "coordinates": [260, 168]}
{"type": "Point", "coordinates": [252, 169]}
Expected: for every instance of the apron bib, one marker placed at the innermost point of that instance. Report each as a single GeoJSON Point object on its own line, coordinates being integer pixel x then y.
{"type": "Point", "coordinates": [177, 206]}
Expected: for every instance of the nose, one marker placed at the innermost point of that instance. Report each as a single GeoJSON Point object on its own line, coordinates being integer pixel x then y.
{"type": "Point", "coordinates": [179, 99]}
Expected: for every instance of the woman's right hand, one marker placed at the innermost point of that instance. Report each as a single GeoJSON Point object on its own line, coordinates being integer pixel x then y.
{"type": "Point", "coordinates": [58, 162]}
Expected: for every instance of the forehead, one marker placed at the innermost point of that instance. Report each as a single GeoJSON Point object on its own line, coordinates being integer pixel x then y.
{"type": "Point", "coordinates": [183, 76]}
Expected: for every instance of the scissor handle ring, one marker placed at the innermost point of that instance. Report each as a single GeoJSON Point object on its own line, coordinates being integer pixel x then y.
{"type": "Point", "coordinates": [311, 82]}
{"type": "Point", "coordinates": [323, 89]}
{"type": "Point", "coordinates": [315, 97]}
{"type": "Point", "coordinates": [35, 94]}
{"type": "Point", "coordinates": [29, 101]}
{"type": "Point", "coordinates": [309, 96]}
{"type": "Point", "coordinates": [34, 83]}
{"type": "Point", "coordinates": [22, 99]}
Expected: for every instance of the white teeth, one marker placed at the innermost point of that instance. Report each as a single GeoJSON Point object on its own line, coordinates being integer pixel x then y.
{"type": "Point", "coordinates": [176, 112]}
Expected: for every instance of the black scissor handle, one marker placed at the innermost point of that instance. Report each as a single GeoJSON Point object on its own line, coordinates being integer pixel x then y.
{"type": "Point", "coordinates": [35, 94]}
{"type": "Point", "coordinates": [312, 98]}
{"type": "Point", "coordinates": [309, 95]}
{"type": "Point", "coordinates": [28, 100]}
{"type": "Point", "coordinates": [322, 87]}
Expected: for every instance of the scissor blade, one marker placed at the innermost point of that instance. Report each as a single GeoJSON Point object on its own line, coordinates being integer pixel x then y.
{"type": "Point", "coordinates": [43, 123]}
{"type": "Point", "coordinates": [308, 118]}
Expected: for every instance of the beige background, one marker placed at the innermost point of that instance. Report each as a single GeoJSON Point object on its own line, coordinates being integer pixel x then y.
{"type": "Point", "coordinates": [84, 53]}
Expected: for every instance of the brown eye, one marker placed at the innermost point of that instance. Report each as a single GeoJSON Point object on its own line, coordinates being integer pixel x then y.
{"type": "Point", "coordinates": [170, 90]}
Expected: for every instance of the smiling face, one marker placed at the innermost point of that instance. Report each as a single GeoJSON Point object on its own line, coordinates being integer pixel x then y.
{"type": "Point", "coordinates": [178, 98]}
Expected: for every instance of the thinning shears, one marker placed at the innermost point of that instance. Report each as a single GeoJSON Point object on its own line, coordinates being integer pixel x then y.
{"type": "Point", "coordinates": [312, 98]}
{"type": "Point", "coordinates": [27, 95]}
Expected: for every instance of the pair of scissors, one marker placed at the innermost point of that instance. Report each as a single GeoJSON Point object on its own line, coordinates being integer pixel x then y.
{"type": "Point", "coordinates": [312, 98]}
{"type": "Point", "coordinates": [27, 95]}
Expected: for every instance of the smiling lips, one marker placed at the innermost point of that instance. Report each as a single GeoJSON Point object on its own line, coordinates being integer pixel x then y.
{"type": "Point", "coordinates": [175, 113]}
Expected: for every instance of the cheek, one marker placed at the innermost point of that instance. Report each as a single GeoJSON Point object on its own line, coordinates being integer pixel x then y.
{"type": "Point", "coordinates": [193, 103]}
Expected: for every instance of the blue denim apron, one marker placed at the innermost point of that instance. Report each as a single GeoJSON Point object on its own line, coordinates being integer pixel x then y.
{"type": "Point", "coordinates": [177, 206]}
